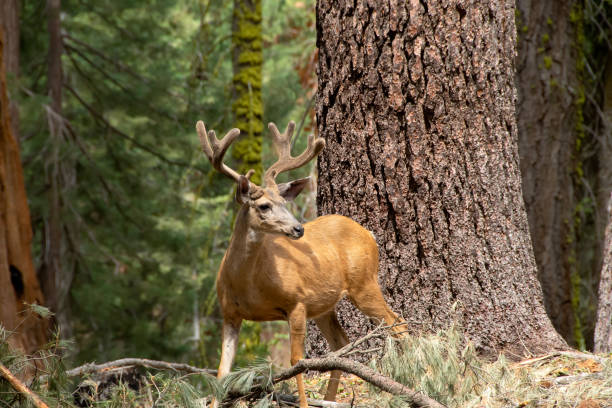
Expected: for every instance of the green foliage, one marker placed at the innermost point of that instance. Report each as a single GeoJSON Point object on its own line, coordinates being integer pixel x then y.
{"type": "Point", "coordinates": [51, 383]}
{"type": "Point", "coordinates": [446, 367]}
{"type": "Point", "coordinates": [151, 221]}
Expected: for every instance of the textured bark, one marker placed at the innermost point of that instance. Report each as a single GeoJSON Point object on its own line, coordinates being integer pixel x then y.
{"type": "Point", "coordinates": [546, 70]}
{"type": "Point", "coordinates": [247, 104]}
{"type": "Point", "coordinates": [18, 283]}
{"type": "Point", "coordinates": [9, 22]}
{"type": "Point", "coordinates": [603, 327]}
{"type": "Point", "coordinates": [416, 101]}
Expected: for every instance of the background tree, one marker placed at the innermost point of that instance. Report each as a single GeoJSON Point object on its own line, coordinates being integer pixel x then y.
{"type": "Point", "coordinates": [143, 222]}
{"type": "Point", "coordinates": [247, 105]}
{"type": "Point", "coordinates": [58, 237]}
{"type": "Point", "coordinates": [564, 49]}
{"type": "Point", "coordinates": [416, 102]}
{"type": "Point", "coordinates": [18, 283]}
{"type": "Point", "coordinates": [603, 327]}
{"type": "Point", "coordinates": [546, 80]}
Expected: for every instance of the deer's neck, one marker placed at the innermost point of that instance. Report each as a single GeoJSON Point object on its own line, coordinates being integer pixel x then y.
{"type": "Point", "coordinates": [245, 243]}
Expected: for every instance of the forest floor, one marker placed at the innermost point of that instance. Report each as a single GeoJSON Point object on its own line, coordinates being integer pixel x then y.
{"type": "Point", "coordinates": [444, 365]}
{"type": "Point", "coordinates": [578, 380]}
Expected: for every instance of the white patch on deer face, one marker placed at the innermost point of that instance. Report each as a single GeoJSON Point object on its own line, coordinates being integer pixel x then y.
{"type": "Point", "coordinates": [269, 214]}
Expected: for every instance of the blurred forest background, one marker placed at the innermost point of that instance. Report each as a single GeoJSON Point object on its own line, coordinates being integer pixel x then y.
{"type": "Point", "coordinates": [122, 200]}
{"type": "Point", "coordinates": [129, 220]}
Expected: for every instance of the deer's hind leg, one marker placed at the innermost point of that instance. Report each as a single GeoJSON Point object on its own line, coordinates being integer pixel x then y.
{"type": "Point", "coordinates": [336, 338]}
{"type": "Point", "coordinates": [370, 301]}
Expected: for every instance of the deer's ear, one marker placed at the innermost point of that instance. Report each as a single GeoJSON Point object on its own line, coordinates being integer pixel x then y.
{"type": "Point", "coordinates": [242, 191]}
{"type": "Point", "coordinates": [291, 189]}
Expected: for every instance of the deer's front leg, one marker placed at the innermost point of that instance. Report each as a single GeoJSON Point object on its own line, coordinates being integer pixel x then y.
{"type": "Point", "coordinates": [231, 330]}
{"type": "Point", "coordinates": [297, 330]}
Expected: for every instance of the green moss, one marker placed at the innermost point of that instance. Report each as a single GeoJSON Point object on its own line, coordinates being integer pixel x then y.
{"type": "Point", "coordinates": [247, 105]}
{"type": "Point", "coordinates": [545, 39]}
{"type": "Point", "coordinates": [576, 18]}
{"type": "Point", "coordinates": [547, 61]}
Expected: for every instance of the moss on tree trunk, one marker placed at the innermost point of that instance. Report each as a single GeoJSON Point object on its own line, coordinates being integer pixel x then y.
{"type": "Point", "coordinates": [247, 104]}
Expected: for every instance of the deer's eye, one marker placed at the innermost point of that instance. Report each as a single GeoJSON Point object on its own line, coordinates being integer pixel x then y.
{"type": "Point", "coordinates": [264, 207]}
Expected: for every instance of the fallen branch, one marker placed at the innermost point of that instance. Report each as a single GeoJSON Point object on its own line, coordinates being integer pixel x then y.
{"type": "Point", "coordinates": [294, 400]}
{"type": "Point", "coordinates": [330, 363]}
{"type": "Point", "coordinates": [21, 387]}
{"type": "Point", "coordinates": [568, 379]}
{"type": "Point", "coordinates": [142, 362]}
{"type": "Point", "coordinates": [578, 355]}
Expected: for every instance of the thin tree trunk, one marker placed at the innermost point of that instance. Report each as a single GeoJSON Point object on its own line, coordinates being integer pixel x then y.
{"type": "Point", "coordinates": [603, 325]}
{"type": "Point", "coordinates": [416, 101]}
{"type": "Point", "coordinates": [247, 104]}
{"type": "Point", "coordinates": [18, 283]}
{"type": "Point", "coordinates": [57, 269]}
{"type": "Point", "coordinates": [546, 83]}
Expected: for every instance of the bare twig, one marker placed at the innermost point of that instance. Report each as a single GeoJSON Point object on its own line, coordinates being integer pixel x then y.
{"type": "Point", "coordinates": [21, 387]}
{"type": "Point", "coordinates": [142, 362]}
{"type": "Point", "coordinates": [352, 348]}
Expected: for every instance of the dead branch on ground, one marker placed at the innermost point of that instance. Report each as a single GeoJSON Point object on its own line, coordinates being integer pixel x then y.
{"type": "Point", "coordinates": [21, 387]}
{"type": "Point", "coordinates": [142, 362]}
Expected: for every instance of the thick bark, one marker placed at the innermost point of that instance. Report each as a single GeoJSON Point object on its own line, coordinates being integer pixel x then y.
{"type": "Point", "coordinates": [18, 283]}
{"type": "Point", "coordinates": [416, 102]}
{"type": "Point", "coordinates": [546, 81]}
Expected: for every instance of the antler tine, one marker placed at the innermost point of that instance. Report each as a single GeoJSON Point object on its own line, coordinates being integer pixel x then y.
{"type": "Point", "coordinates": [215, 149]}
{"type": "Point", "coordinates": [282, 144]}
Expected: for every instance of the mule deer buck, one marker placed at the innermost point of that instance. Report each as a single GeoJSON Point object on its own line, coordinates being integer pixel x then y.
{"type": "Point", "coordinates": [277, 269]}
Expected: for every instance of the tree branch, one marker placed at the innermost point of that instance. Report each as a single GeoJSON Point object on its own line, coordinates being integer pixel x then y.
{"type": "Point", "coordinates": [21, 387]}
{"type": "Point", "coordinates": [415, 398]}
{"type": "Point", "coordinates": [136, 143]}
{"type": "Point", "coordinates": [142, 362]}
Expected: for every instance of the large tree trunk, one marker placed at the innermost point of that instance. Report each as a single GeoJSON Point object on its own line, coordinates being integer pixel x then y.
{"type": "Point", "coordinates": [546, 83]}
{"type": "Point", "coordinates": [9, 20]}
{"type": "Point", "coordinates": [18, 283]}
{"type": "Point", "coordinates": [416, 101]}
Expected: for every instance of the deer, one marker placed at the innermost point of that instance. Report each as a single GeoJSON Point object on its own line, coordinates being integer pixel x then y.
{"type": "Point", "coordinates": [275, 268]}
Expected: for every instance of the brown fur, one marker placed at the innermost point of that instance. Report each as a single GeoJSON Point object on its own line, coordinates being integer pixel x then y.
{"type": "Point", "coordinates": [266, 275]}
{"type": "Point", "coordinates": [275, 269]}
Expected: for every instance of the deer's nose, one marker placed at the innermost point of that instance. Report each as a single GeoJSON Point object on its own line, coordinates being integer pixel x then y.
{"type": "Point", "coordinates": [298, 231]}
